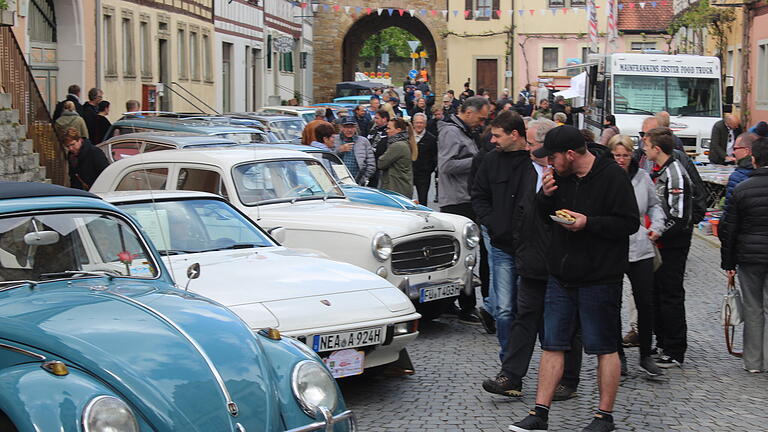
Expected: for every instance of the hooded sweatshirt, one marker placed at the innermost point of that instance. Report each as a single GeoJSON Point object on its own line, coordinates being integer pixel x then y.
{"type": "Point", "coordinates": [597, 254]}
{"type": "Point", "coordinates": [456, 147]}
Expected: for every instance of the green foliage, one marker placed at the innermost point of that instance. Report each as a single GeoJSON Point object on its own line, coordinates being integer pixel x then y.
{"type": "Point", "coordinates": [3, 4]}
{"type": "Point", "coordinates": [392, 40]}
{"type": "Point", "coordinates": [701, 15]}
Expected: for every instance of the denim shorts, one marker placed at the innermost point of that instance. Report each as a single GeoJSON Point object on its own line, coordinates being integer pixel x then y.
{"type": "Point", "coordinates": [597, 309]}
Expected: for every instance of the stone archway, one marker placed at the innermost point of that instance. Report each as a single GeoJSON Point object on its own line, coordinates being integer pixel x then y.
{"type": "Point", "coordinates": [338, 38]}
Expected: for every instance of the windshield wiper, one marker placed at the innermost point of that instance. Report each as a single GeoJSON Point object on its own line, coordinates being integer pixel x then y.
{"type": "Point", "coordinates": [108, 274]}
{"type": "Point", "coordinates": [680, 114]}
{"type": "Point", "coordinates": [638, 110]}
{"type": "Point", "coordinates": [234, 246]}
{"type": "Point", "coordinates": [17, 283]}
{"type": "Point", "coordinates": [174, 251]}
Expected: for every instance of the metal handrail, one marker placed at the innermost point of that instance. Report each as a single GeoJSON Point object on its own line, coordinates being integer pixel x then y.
{"type": "Point", "coordinates": [194, 96]}
{"type": "Point", "coordinates": [16, 79]}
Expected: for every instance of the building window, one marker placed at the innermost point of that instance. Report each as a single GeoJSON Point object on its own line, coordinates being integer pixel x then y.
{"type": "Point", "coordinates": [269, 51]}
{"type": "Point", "coordinates": [181, 41]}
{"type": "Point", "coordinates": [194, 56]}
{"type": "Point", "coordinates": [286, 62]}
{"type": "Point", "coordinates": [566, 3]}
{"type": "Point", "coordinates": [481, 9]}
{"type": "Point", "coordinates": [110, 50]}
{"type": "Point", "coordinates": [206, 58]}
{"type": "Point", "coordinates": [145, 47]}
{"type": "Point", "coordinates": [549, 59]}
{"type": "Point", "coordinates": [129, 63]}
{"type": "Point", "coordinates": [762, 70]}
{"type": "Point", "coordinates": [642, 46]}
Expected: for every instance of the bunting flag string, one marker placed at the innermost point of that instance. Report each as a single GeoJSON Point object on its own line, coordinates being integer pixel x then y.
{"type": "Point", "coordinates": [486, 12]}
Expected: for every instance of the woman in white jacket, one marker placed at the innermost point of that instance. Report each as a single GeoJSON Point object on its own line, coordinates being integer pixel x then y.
{"type": "Point", "coordinates": [641, 247]}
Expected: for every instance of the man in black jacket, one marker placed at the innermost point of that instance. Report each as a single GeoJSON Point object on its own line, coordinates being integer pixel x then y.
{"type": "Point", "coordinates": [86, 161]}
{"type": "Point", "coordinates": [498, 185]}
{"type": "Point", "coordinates": [91, 110]}
{"type": "Point", "coordinates": [426, 162]}
{"type": "Point", "coordinates": [586, 261]}
{"type": "Point", "coordinates": [73, 94]}
{"type": "Point", "coordinates": [723, 136]}
{"type": "Point", "coordinates": [745, 248]}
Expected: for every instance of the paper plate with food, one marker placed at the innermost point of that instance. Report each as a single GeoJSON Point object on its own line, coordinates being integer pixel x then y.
{"type": "Point", "coordinates": [563, 217]}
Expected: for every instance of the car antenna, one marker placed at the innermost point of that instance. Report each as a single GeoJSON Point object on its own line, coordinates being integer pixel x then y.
{"type": "Point", "coordinates": [157, 217]}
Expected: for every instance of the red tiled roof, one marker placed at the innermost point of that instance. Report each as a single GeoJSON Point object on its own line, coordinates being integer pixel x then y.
{"type": "Point", "coordinates": [648, 19]}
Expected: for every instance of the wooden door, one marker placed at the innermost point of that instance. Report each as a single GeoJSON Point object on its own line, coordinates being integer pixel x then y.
{"type": "Point", "coordinates": [487, 72]}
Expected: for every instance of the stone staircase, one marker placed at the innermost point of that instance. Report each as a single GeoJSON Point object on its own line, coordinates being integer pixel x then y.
{"type": "Point", "coordinates": [18, 160]}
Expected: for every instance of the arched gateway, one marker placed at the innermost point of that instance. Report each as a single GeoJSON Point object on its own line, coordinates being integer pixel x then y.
{"type": "Point", "coordinates": [339, 36]}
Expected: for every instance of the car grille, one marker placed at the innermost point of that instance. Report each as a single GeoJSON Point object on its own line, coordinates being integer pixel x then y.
{"type": "Point", "coordinates": [424, 255]}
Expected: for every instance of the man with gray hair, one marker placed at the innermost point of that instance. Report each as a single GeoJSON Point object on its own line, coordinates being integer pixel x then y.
{"type": "Point", "coordinates": [530, 264]}
{"type": "Point", "coordinates": [723, 136]}
{"type": "Point", "coordinates": [456, 147]}
{"type": "Point", "coordinates": [426, 162]}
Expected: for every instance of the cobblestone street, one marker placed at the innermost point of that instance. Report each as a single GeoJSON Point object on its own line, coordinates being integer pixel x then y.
{"type": "Point", "coordinates": [711, 392]}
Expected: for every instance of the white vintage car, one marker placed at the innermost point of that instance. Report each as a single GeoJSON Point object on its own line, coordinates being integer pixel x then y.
{"type": "Point", "coordinates": [428, 255]}
{"type": "Point", "coordinates": [328, 305]}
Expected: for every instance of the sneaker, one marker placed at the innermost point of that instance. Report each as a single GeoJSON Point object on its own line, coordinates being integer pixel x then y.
{"type": "Point", "coordinates": [486, 319]}
{"type": "Point", "coordinates": [753, 370]}
{"type": "Point", "coordinates": [469, 318]}
{"type": "Point", "coordinates": [648, 365]}
{"type": "Point", "coordinates": [656, 352]}
{"type": "Point", "coordinates": [504, 386]}
{"type": "Point", "coordinates": [631, 339]}
{"type": "Point", "coordinates": [532, 423]}
{"type": "Point", "coordinates": [600, 424]}
{"type": "Point", "coordinates": [667, 362]}
{"type": "Point", "coordinates": [563, 393]}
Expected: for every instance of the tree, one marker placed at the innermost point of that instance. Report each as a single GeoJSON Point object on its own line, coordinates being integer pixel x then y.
{"type": "Point", "coordinates": [391, 40]}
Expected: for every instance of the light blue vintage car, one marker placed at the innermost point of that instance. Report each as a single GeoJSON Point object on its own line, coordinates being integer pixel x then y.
{"type": "Point", "coordinates": [95, 337]}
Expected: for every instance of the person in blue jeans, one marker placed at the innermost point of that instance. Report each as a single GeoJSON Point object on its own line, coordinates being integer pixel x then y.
{"type": "Point", "coordinates": [586, 261]}
{"type": "Point", "coordinates": [496, 191]}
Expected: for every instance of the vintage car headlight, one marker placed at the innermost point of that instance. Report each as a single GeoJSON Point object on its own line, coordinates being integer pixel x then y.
{"type": "Point", "coordinates": [471, 234]}
{"type": "Point", "coordinates": [107, 414]}
{"type": "Point", "coordinates": [381, 246]}
{"type": "Point", "coordinates": [313, 387]}
{"type": "Point", "coordinates": [705, 143]}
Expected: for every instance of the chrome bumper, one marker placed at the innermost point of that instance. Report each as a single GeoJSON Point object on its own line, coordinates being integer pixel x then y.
{"type": "Point", "coordinates": [328, 422]}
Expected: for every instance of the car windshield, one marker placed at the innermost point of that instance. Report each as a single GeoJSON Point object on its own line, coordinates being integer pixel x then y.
{"type": "Point", "coordinates": [308, 116]}
{"type": "Point", "coordinates": [641, 95]}
{"type": "Point", "coordinates": [335, 166]}
{"type": "Point", "coordinates": [243, 138]}
{"type": "Point", "coordinates": [287, 129]}
{"type": "Point", "coordinates": [283, 180]}
{"type": "Point", "coordinates": [52, 246]}
{"type": "Point", "coordinates": [199, 225]}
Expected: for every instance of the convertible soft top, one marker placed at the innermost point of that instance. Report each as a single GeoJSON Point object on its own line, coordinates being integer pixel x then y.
{"type": "Point", "coordinates": [10, 190]}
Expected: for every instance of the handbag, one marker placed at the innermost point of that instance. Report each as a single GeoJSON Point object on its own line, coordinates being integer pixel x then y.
{"type": "Point", "coordinates": [731, 315]}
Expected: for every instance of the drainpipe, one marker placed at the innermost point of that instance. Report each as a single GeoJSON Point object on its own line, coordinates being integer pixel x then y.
{"type": "Point", "coordinates": [511, 55]}
{"type": "Point", "coordinates": [99, 44]}
{"type": "Point", "coordinates": [746, 49]}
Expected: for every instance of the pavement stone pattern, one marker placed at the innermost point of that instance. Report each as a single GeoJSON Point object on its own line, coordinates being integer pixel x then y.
{"type": "Point", "coordinates": [712, 392]}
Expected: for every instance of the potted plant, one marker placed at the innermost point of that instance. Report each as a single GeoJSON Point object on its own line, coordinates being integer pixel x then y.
{"type": "Point", "coordinates": [6, 16]}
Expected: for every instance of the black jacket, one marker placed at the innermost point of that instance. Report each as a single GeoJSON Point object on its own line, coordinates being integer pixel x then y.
{"type": "Point", "coordinates": [60, 106]}
{"type": "Point", "coordinates": [598, 253]}
{"type": "Point", "coordinates": [744, 230]}
{"type": "Point", "coordinates": [102, 125]}
{"type": "Point", "coordinates": [532, 237]}
{"type": "Point", "coordinates": [85, 168]}
{"type": "Point", "coordinates": [90, 115]}
{"type": "Point", "coordinates": [719, 142]}
{"type": "Point", "coordinates": [502, 179]}
{"type": "Point", "coordinates": [426, 162]}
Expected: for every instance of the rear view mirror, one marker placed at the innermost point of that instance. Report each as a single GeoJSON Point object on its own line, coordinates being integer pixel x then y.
{"type": "Point", "coordinates": [193, 272]}
{"type": "Point", "coordinates": [278, 233]}
{"type": "Point", "coordinates": [41, 238]}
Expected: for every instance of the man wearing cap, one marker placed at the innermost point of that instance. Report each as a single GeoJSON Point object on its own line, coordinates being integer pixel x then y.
{"type": "Point", "coordinates": [586, 261]}
{"type": "Point", "coordinates": [355, 151]}
{"type": "Point", "coordinates": [448, 107]}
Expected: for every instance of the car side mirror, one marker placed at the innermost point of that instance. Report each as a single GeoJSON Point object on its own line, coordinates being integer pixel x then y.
{"type": "Point", "coordinates": [193, 272]}
{"type": "Point", "coordinates": [41, 238]}
{"type": "Point", "coordinates": [278, 234]}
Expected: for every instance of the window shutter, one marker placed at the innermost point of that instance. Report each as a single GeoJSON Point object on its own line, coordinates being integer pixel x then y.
{"type": "Point", "coordinates": [468, 5]}
{"type": "Point", "coordinates": [496, 6]}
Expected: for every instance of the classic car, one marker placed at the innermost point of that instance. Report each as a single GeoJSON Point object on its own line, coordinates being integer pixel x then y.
{"type": "Point", "coordinates": [286, 129]}
{"type": "Point", "coordinates": [428, 255]}
{"type": "Point", "coordinates": [307, 114]}
{"type": "Point", "coordinates": [131, 144]}
{"type": "Point", "coordinates": [328, 305]}
{"type": "Point", "coordinates": [203, 124]}
{"type": "Point", "coordinates": [95, 337]}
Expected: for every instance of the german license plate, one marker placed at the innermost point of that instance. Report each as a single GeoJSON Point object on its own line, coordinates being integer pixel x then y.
{"type": "Point", "coordinates": [438, 292]}
{"type": "Point", "coordinates": [349, 339]}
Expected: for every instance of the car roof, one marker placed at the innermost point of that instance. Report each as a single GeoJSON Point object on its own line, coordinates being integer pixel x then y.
{"type": "Point", "coordinates": [155, 195]}
{"type": "Point", "coordinates": [172, 138]}
{"type": "Point", "coordinates": [290, 108]}
{"type": "Point", "coordinates": [229, 156]}
{"type": "Point", "coordinates": [265, 116]}
{"type": "Point", "coordinates": [204, 124]}
{"type": "Point", "coordinates": [11, 190]}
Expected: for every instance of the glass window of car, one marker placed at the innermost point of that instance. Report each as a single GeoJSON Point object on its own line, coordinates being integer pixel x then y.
{"type": "Point", "coordinates": [151, 147]}
{"type": "Point", "coordinates": [144, 179]}
{"type": "Point", "coordinates": [196, 225]}
{"type": "Point", "coordinates": [287, 129]}
{"type": "Point", "coordinates": [202, 180]}
{"type": "Point", "coordinates": [308, 116]}
{"type": "Point", "coordinates": [335, 166]}
{"type": "Point", "coordinates": [243, 138]}
{"type": "Point", "coordinates": [122, 130]}
{"type": "Point", "coordinates": [123, 149]}
{"type": "Point", "coordinates": [46, 246]}
{"type": "Point", "coordinates": [283, 180]}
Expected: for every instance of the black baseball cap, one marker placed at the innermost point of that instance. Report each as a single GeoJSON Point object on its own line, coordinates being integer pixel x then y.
{"type": "Point", "coordinates": [347, 120]}
{"type": "Point", "coordinates": [559, 140]}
